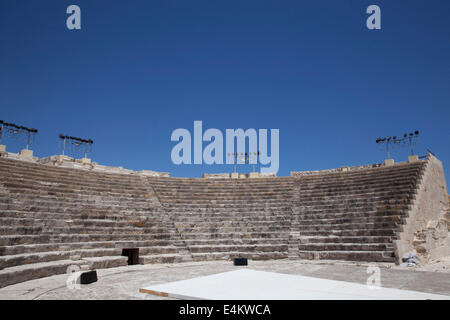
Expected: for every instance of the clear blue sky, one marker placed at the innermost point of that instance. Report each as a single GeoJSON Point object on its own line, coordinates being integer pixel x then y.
{"type": "Point", "coordinates": [137, 70]}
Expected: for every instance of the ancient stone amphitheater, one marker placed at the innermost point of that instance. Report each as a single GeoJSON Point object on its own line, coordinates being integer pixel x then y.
{"type": "Point", "coordinates": [58, 212]}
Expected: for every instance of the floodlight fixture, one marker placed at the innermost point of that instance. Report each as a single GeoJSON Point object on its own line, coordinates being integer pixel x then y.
{"type": "Point", "coordinates": [76, 142]}
{"type": "Point", "coordinates": [408, 138]}
{"type": "Point", "coordinates": [244, 158]}
{"type": "Point", "coordinates": [16, 131]}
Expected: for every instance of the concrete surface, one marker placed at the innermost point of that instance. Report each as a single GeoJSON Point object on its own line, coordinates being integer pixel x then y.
{"type": "Point", "coordinates": [125, 282]}
{"type": "Point", "coordinates": [247, 284]}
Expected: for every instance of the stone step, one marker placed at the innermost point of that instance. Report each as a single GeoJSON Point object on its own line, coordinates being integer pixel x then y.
{"type": "Point", "coordinates": [74, 182]}
{"type": "Point", "coordinates": [346, 247]}
{"type": "Point", "coordinates": [362, 172]}
{"type": "Point", "coordinates": [347, 215]}
{"type": "Point", "coordinates": [346, 226]}
{"type": "Point", "coordinates": [393, 181]}
{"type": "Point", "coordinates": [230, 193]}
{"type": "Point", "coordinates": [40, 195]}
{"type": "Point", "coordinates": [58, 217]}
{"type": "Point", "coordinates": [339, 239]}
{"type": "Point", "coordinates": [366, 256]}
{"type": "Point", "coordinates": [76, 223]}
{"type": "Point", "coordinates": [130, 213]}
{"type": "Point", "coordinates": [235, 229]}
{"type": "Point", "coordinates": [60, 186]}
{"type": "Point", "coordinates": [232, 242]}
{"type": "Point", "coordinates": [50, 171]}
{"type": "Point", "coordinates": [17, 274]}
{"type": "Point", "coordinates": [234, 206]}
{"type": "Point", "coordinates": [158, 250]}
{"type": "Point", "coordinates": [79, 230]}
{"type": "Point", "coordinates": [223, 199]}
{"type": "Point", "coordinates": [35, 248]}
{"type": "Point", "coordinates": [231, 224]}
{"type": "Point", "coordinates": [268, 214]}
{"type": "Point", "coordinates": [20, 230]}
{"type": "Point", "coordinates": [325, 203]}
{"type": "Point", "coordinates": [70, 190]}
{"type": "Point", "coordinates": [259, 248]}
{"type": "Point", "coordinates": [211, 256]}
{"type": "Point", "coordinates": [351, 233]}
{"type": "Point", "coordinates": [80, 212]}
{"type": "Point", "coordinates": [194, 219]}
{"type": "Point", "coordinates": [356, 196]}
{"type": "Point", "coordinates": [350, 212]}
{"type": "Point", "coordinates": [29, 258]}
{"type": "Point", "coordinates": [63, 176]}
{"type": "Point", "coordinates": [106, 262]}
{"type": "Point", "coordinates": [367, 175]}
{"type": "Point", "coordinates": [69, 238]}
{"type": "Point", "coordinates": [163, 258]}
{"type": "Point", "coordinates": [344, 207]}
{"type": "Point", "coordinates": [357, 189]}
{"type": "Point", "coordinates": [227, 185]}
{"type": "Point", "coordinates": [28, 272]}
{"type": "Point", "coordinates": [359, 220]}
{"type": "Point", "coordinates": [233, 235]}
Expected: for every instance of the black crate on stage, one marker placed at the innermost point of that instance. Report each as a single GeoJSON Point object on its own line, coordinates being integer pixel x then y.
{"type": "Point", "coordinates": [240, 262]}
{"type": "Point", "coordinates": [88, 277]}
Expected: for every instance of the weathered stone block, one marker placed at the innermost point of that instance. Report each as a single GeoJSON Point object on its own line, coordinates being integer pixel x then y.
{"type": "Point", "coordinates": [26, 153]}
{"type": "Point", "coordinates": [85, 161]}
{"type": "Point", "coordinates": [254, 175]}
{"type": "Point", "coordinates": [216, 175]}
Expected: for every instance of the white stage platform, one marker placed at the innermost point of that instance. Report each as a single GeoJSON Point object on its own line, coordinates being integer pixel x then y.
{"type": "Point", "coordinates": [247, 284]}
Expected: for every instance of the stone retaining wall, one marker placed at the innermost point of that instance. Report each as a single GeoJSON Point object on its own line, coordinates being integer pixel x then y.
{"type": "Point", "coordinates": [425, 229]}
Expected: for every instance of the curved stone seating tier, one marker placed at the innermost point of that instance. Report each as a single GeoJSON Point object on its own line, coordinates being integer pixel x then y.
{"type": "Point", "coordinates": [225, 219]}
{"type": "Point", "coordinates": [54, 217]}
{"type": "Point", "coordinates": [352, 215]}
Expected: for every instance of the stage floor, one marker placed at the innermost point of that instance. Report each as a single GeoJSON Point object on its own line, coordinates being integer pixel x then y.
{"type": "Point", "coordinates": [247, 284]}
{"type": "Point", "coordinates": [123, 283]}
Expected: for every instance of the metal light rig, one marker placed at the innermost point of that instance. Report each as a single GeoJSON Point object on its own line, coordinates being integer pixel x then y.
{"type": "Point", "coordinates": [409, 139]}
{"type": "Point", "coordinates": [244, 158]}
{"type": "Point", "coordinates": [76, 144]}
{"type": "Point", "coordinates": [15, 131]}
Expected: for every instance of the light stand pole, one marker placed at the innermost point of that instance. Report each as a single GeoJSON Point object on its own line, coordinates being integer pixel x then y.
{"type": "Point", "coordinates": [16, 130]}
{"type": "Point", "coordinates": [407, 139]}
{"type": "Point", "coordinates": [1, 130]}
{"type": "Point", "coordinates": [77, 142]}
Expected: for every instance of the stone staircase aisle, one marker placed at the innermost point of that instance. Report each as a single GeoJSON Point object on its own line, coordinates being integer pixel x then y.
{"type": "Point", "coordinates": [224, 218]}
{"type": "Point", "coordinates": [294, 233]}
{"type": "Point", "coordinates": [181, 252]}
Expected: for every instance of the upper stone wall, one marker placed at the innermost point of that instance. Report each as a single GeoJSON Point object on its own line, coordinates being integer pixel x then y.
{"type": "Point", "coordinates": [84, 164]}
{"type": "Point", "coordinates": [342, 169]}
